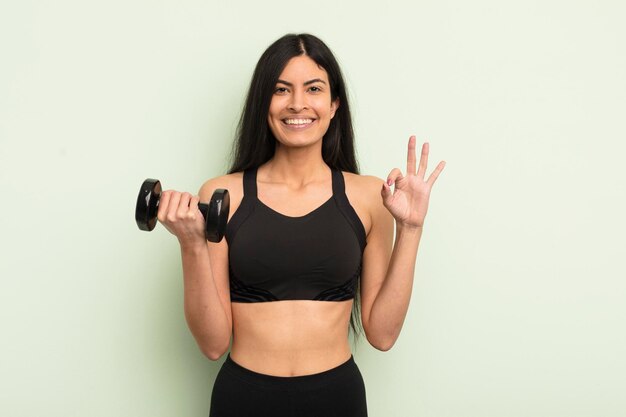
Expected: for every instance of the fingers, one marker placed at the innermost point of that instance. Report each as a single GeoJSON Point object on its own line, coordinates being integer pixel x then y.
{"type": "Point", "coordinates": [175, 206]}
{"type": "Point", "coordinates": [183, 211]}
{"type": "Point", "coordinates": [410, 161]}
{"type": "Point", "coordinates": [386, 192]}
{"type": "Point", "coordinates": [164, 203]}
{"type": "Point", "coordinates": [394, 175]}
{"type": "Point", "coordinates": [435, 174]}
{"type": "Point", "coordinates": [193, 204]}
{"type": "Point", "coordinates": [423, 161]}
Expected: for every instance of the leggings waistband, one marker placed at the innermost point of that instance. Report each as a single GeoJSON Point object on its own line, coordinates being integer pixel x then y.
{"type": "Point", "coordinates": [303, 382]}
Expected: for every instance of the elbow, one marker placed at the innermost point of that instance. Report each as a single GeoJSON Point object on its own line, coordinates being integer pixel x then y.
{"type": "Point", "coordinates": [383, 344]}
{"type": "Point", "coordinates": [382, 339]}
{"type": "Point", "coordinates": [214, 351]}
{"type": "Point", "coordinates": [214, 354]}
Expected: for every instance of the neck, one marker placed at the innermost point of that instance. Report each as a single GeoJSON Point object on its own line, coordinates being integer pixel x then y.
{"type": "Point", "coordinates": [296, 166]}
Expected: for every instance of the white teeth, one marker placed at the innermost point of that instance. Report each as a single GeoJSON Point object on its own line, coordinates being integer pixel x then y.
{"type": "Point", "coordinates": [298, 121]}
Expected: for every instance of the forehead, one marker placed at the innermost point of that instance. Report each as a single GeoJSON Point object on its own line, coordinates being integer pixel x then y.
{"type": "Point", "coordinates": [302, 68]}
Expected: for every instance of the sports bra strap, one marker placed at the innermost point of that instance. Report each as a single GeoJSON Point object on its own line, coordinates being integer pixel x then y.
{"type": "Point", "coordinates": [339, 194]}
{"type": "Point", "coordinates": [249, 183]}
{"type": "Point", "coordinates": [339, 187]}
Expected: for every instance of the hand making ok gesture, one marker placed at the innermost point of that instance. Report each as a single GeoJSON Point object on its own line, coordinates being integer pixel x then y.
{"type": "Point", "coordinates": [408, 203]}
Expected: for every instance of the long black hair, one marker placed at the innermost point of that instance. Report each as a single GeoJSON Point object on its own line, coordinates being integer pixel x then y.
{"type": "Point", "coordinates": [255, 143]}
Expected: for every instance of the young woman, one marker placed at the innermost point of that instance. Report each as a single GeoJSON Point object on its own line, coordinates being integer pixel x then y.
{"type": "Point", "coordinates": [309, 241]}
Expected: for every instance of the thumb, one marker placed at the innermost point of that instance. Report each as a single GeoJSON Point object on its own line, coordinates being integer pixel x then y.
{"type": "Point", "coordinates": [385, 193]}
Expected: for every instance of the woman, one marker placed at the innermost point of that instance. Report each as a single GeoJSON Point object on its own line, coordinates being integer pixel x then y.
{"type": "Point", "coordinates": [306, 235]}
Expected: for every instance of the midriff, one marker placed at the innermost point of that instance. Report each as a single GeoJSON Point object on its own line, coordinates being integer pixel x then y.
{"type": "Point", "coordinates": [291, 338]}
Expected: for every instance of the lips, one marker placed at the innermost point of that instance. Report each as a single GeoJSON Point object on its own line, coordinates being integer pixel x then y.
{"type": "Point", "coordinates": [298, 122]}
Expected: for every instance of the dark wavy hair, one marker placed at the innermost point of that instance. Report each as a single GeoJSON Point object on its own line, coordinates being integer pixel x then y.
{"type": "Point", "coordinates": [255, 143]}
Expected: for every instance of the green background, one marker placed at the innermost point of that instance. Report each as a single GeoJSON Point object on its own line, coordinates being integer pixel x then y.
{"type": "Point", "coordinates": [519, 303]}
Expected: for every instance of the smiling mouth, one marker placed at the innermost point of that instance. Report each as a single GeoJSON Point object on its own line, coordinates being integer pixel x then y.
{"type": "Point", "coordinates": [298, 122]}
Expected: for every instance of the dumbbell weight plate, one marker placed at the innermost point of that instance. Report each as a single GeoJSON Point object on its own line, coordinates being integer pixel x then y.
{"type": "Point", "coordinates": [216, 215]}
{"type": "Point", "coordinates": [148, 204]}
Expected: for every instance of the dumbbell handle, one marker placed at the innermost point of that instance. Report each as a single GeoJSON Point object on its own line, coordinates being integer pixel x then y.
{"type": "Point", "coordinates": [204, 209]}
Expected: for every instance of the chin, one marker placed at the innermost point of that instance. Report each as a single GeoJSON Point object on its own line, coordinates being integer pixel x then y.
{"type": "Point", "coordinates": [298, 143]}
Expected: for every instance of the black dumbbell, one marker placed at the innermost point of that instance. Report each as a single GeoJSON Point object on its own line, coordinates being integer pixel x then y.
{"type": "Point", "coordinates": [215, 213]}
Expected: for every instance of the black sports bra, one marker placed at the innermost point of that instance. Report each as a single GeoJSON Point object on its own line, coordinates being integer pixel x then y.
{"type": "Point", "coordinates": [274, 257]}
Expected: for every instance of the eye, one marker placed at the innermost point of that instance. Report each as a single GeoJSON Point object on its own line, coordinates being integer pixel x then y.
{"type": "Point", "coordinates": [315, 89]}
{"type": "Point", "coordinates": [280, 90]}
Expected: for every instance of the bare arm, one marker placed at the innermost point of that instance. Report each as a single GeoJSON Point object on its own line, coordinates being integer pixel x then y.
{"type": "Point", "coordinates": [206, 292]}
{"type": "Point", "coordinates": [387, 279]}
{"type": "Point", "coordinates": [208, 315]}
{"type": "Point", "coordinates": [386, 292]}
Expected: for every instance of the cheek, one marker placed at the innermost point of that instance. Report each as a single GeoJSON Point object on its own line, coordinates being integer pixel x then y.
{"type": "Point", "coordinates": [273, 116]}
{"type": "Point", "coordinates": [275, 107]}
{"type": "Point", "coordinates": [271, 112]}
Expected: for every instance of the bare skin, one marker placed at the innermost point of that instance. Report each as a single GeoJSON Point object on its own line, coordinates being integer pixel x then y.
{"type": "Point", "coordinates": [302, 337]}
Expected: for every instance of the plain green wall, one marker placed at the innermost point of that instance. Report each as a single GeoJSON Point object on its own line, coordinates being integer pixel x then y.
{"type": "Point", "coordinates": [519, 303]}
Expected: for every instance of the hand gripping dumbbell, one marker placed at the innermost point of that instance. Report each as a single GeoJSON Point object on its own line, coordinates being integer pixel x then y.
{"type": "Point", "coordinates": [215, 213]}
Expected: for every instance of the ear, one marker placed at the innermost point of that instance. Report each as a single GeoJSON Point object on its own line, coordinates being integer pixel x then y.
{"type": "Point", "coordinates": [334, 105]}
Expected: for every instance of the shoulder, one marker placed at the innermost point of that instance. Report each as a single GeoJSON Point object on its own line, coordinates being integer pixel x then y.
{"type": "Point", "coordinates": [231, 182]}
{"type": "Point", "coordinates": [363, 192]}
{"type": "Point", "coordinates": [366, 185]}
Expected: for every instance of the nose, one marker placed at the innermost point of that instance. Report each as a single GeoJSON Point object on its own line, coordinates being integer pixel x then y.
{"type": "Point", "coordinates": [297, 102]}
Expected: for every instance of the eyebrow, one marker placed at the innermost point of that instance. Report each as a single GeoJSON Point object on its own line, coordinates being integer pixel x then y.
{"type": "Point", "coordinates": [316, 80]}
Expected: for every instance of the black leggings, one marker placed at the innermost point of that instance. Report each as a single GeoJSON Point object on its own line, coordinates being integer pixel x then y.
{"type": "Point", "coordinates": [240, 392]}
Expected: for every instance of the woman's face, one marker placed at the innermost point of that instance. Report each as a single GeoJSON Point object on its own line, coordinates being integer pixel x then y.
{"type": "Point", "coordinates": [301, 106]}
